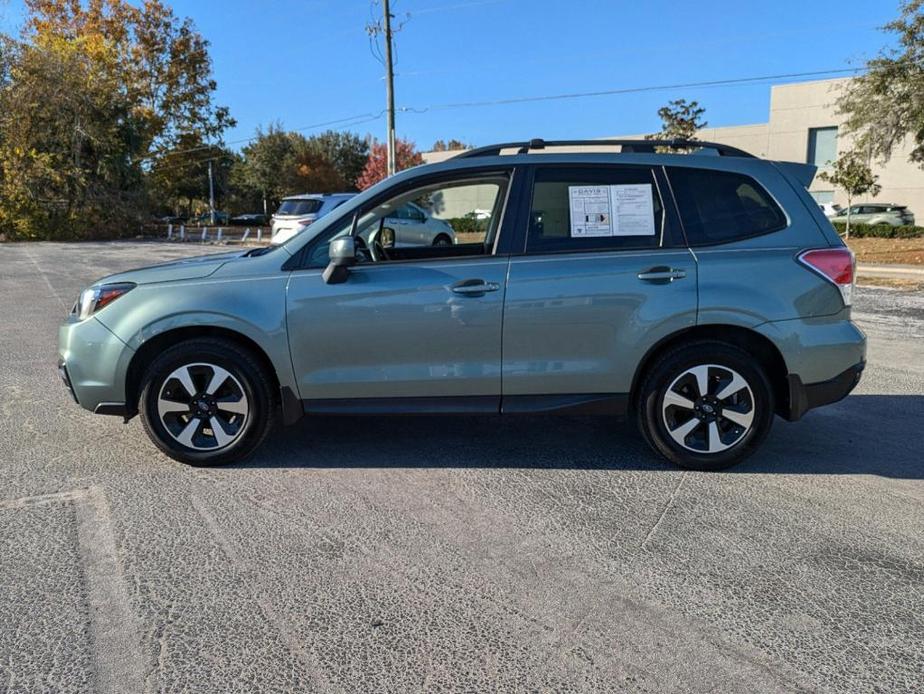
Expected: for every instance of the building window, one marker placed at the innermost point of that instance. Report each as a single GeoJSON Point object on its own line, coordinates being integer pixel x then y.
{"type": "Point", "coordinates": [822, 196]}
{"type": "Point", "coordinates": [822, 146]}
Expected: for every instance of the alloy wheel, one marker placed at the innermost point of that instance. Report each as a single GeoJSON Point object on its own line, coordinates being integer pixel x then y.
{"type": "Point", "coordinates": [203, 406]}
{"type": "Point", "coordinates": [708, 408]}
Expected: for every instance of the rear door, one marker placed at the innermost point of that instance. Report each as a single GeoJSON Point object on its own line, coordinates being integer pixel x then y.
{"type": "Point", "coordinates": [603, 276]}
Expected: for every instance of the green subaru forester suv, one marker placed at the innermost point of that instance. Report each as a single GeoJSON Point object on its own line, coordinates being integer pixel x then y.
{"type": "Point", "coordinates": [689, 285]}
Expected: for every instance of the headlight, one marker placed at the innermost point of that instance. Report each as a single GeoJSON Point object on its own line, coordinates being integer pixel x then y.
{"type": "Point", "coordinates": [93, 299]}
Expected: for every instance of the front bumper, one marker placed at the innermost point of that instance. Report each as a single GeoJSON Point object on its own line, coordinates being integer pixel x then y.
{"type": "Point", "coordinates": [804, 397]}
{"type": "Point", "coordinates": [93, 364]}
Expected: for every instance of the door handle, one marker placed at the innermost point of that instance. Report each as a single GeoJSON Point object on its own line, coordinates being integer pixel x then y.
{"type": "Point", "coordinates": [661, 274]}
{"type": "Point", "coordinates": [474, 287]}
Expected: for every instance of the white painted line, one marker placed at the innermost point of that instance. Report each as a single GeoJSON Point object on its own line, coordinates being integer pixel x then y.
{"type": "Point", "coordinates": [51, 288]}
{"type": "Point", "coordinates": [113, 632]}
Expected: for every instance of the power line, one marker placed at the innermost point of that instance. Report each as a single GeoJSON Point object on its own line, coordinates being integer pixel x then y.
{"type": "Point", "coordinates": [369, 117]}
{"type": "Point", "coordinates": [626, 90]}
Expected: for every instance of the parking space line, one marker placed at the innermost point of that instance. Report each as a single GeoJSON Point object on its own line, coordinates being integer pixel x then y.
{"type": "Point", "coordinates": [54, 292]}
{"type": "Point", "coordinates": [114, 635]}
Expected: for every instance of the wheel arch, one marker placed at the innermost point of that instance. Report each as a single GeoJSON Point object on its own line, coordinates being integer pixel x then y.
{"type": "Point", "coordinates": [770, 357]}
{"type": "Point", "coordinates": [150, 348]}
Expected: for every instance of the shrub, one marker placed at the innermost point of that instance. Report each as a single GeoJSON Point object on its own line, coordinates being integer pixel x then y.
{"type": "Point", "coordinates": [469, 225]}
{"type": "Point", "coordinates": [882, 231]}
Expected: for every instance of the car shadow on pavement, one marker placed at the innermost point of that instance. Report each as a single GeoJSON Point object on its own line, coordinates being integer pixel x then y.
{"type": "Point", "coordinates": [863, 434]}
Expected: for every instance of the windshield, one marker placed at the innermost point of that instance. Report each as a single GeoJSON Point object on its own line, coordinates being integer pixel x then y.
{"type": "Point", "coordinates": [299, 207]}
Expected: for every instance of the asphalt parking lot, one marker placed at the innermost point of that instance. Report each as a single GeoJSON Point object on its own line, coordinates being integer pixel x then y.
{"type": "Point", "coordinates": [464, 554]}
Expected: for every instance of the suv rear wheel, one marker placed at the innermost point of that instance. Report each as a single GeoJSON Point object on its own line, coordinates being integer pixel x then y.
{"type": "Point", "coordinates": [207, 402]}
{"type": "Point", "coordinates": [705, 405]}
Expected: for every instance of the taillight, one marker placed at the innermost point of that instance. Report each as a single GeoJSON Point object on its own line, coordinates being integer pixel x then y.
{"type": "Point", "coordinates": [837, 265]}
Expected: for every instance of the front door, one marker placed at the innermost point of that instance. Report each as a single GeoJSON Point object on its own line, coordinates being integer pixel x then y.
{"type": "Point", "coordinates": [605, 275]}
{"type": "Point", "coordinates": [417, 325]}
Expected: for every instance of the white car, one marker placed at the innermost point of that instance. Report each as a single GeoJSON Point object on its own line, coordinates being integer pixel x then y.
{"type": "Point", "coordinates": [298, 212]}
{"type": "Point", "coordinates": [830, 209]}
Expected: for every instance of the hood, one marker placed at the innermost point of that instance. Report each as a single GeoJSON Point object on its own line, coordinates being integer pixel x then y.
{"type": "Point", "coordinates": [183, 269]}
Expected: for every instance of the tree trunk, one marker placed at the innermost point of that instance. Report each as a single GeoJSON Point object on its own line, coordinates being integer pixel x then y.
{"type": "Point", "coordinates": [849, 206]}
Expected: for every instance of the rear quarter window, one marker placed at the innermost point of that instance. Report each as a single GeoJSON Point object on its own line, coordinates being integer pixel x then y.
{"type": "Point", "coordinates": [720, 206]}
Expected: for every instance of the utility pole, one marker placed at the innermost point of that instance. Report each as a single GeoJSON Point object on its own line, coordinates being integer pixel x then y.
{"type": "Point", "coordinates": [389, 90]}
{"type": "Point", "coordinates": [211, 195]}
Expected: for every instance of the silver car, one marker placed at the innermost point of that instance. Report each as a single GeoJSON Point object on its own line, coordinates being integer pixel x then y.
{"type": "Point", "coordinates": [412, 226]}
{"type": "Point", "coordinates": [700, 296]}
{"type": "Point", "coordinates": [877, 213]}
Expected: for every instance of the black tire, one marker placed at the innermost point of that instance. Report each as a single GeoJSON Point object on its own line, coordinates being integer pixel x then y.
{"type": "Point", "coordinates": [257, 385]}
{"type": "Point", "coordinates": [673, 365]}
{"type": "Point", "coordinates": [442, 240]}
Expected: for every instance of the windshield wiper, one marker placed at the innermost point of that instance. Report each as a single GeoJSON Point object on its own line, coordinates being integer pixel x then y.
{"type": "Point", "coordinates": [252, 253]}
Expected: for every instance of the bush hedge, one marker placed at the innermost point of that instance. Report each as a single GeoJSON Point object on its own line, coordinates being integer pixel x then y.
{"type": "Point", "coordinates": [469, 225]}
{"type": "Point", "coordinates": [882, 231]}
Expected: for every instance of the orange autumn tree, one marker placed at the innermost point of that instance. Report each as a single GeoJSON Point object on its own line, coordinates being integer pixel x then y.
{"type": "Point", "coordinates": [406, 156]}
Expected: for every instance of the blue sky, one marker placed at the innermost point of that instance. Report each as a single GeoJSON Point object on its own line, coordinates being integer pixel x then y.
{"type": "Point", "coordinates": [306, 62]}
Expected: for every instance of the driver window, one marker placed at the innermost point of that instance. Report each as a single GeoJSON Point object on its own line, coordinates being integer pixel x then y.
{"type": "Point", "coordinates": [448, 219]}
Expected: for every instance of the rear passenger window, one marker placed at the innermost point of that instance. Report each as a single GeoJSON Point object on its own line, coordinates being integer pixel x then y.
{"type": "Point", "coordinates": [595, 208]}
{"type": "Point", "coordinates": [718, 206]}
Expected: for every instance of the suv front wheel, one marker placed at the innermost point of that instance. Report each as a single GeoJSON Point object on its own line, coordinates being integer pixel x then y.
{"type": "Point", "coordinates": [705, 405]}
{"type": "Point", "coordinates": [207, 402]}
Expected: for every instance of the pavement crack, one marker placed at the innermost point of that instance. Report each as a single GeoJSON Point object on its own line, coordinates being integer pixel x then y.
{"type": "Point", "coordinates": [290, 639]}
{"type": "Point", "coordinates": [667, 507]}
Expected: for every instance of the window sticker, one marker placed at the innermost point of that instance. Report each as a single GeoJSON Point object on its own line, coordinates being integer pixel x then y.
{"type": "Point", "coordinates": [618, 210]}
{"type": "Point", "coordinates": [590, 211]}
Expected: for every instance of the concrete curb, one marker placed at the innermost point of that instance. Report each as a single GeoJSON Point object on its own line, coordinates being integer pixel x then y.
{"type": "Point", "coordinates": [914, 272]}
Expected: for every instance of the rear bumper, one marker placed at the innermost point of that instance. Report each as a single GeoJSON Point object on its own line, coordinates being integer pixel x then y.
{"type": "Point", "coordinates": [804, 397]}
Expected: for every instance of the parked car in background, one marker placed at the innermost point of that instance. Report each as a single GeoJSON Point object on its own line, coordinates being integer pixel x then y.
{"type": "Point", "coordinates": [701, 295]}
{"type": "Point", "coordinates": [206, 218]}
{"type": "Point", "coordinates": [297, 212]}
{"type": "Point", "coordinates": [412, 226]}
{"type": "Point", "coordinates": [170, 219]}
{"type": "Point", "coordinates": [254, 219]}
{"type": "Point", "coordinates": [877, 213]}
{"type": "Point", "coordinates": [831, 209]}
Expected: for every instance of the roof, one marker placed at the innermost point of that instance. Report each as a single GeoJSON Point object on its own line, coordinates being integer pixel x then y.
{"type": "Point", "coordinates": [317, 196]}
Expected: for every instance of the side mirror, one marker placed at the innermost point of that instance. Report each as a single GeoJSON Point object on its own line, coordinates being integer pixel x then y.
{"type": "Point", "coordinates": [387, 237]}
{"type": "Point", "coordinates": [342, 254]}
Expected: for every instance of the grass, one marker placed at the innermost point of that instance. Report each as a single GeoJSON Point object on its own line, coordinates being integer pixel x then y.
{"type": "Point", "coordinates": [891, 283]}
{"type": "Point", "coordinates": [882, 251]}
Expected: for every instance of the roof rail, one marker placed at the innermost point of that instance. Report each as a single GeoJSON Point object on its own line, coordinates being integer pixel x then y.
{"type": "Point", "coordinates": [638, 146]}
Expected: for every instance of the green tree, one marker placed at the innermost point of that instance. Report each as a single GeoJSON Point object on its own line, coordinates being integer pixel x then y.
{"type": "Point", "coordinates": [179, 178]}
{"type": "Point", "coordinates": [90, 97]}
{"type": "Point", "coordinates": [450, 146]}
{"type": "Point", "coordinates": [267, 168]}
{"type": "Point", "coordinates": [851, 174]}
{"type": "Point", "coordinates": [680, 120]}
{"type": "Point", "coordinates": [885, 105]}
{"type": "Point", "coordinates": [347, 153]}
